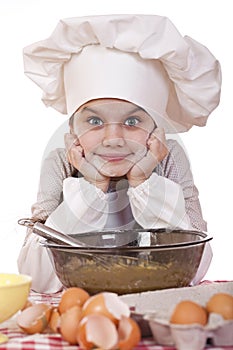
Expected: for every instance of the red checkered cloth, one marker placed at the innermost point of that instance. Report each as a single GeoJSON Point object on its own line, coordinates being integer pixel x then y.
{"type": "Point", "coordinates": [21, 341]}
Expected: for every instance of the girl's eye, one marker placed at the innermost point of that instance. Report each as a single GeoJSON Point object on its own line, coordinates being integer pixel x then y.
{"type": "Point", "coordinates": [95, 121]}
{"type": "Point", "coordinates": [132, 121]}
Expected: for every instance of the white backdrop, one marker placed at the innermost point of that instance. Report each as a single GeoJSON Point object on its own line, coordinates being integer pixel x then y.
{"type": "Point", "coordinates": [27, 125]}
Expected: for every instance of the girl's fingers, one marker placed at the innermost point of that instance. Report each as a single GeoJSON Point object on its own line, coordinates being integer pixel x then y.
{"type": "Point", "coordinates": [157, 144]}
{"type": "Point", "coordinates": [74, 151]}
{"type": "Point", "coordinates": [158, 134]}
{"type": "Point", "coordinates": [70, 140]}
{"type": "Point", "coordinates": [75, 156]}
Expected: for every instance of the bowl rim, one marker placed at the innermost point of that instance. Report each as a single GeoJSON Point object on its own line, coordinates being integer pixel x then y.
{"type": "Point", "coordinates": [205, 238]}
{"type": "Point", "coordinates": [26, 280]}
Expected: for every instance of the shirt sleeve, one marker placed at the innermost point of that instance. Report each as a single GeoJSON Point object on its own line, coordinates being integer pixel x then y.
{"type": "Point", "coordinates": [176, 167]}
{"type": "Point", "coordinates": [33, 258]}
{"type": "Point", "coordinates": [85, 208]}
{"type": "Point", "coordinates": [55, 168]}
{"type": "Point", "coordinates": [159, 203]}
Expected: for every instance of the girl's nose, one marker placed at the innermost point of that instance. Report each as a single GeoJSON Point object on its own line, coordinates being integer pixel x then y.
{"type": "Point", "coordinates": [113, 135]}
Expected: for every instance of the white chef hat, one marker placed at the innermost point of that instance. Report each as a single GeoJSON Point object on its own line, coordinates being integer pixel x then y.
{"type": "Point", "coordinates": [139, 58]}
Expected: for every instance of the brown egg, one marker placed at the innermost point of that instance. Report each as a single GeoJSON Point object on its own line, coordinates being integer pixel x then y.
{"type": "Point", "coordinates": [69, 324]}
{"type": "Point", "coordinates": [221, 303]}
{"type": "Point", "coordinates": [189, 312]}
{"type": "Point", "coordinates": [34, 319]}
{"type": "Point", "coordinates": [73, 296]}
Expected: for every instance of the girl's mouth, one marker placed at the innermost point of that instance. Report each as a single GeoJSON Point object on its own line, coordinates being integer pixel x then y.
{"type": "Point", "coordinates": [113, 157]}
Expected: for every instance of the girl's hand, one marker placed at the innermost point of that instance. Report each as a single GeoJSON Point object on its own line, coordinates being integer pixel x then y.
{"type": "Point", "coordinates": [157, 151]}
{"type": "Point", "coordinates": [76, 158]}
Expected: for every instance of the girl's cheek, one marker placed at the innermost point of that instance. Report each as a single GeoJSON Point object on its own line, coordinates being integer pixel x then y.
{"type": "Point", "coordinates": [138, 142]}
{"type": "Point", "coordinates": [86, 142]}
{"type": "Point", "coordinates": [140, 137]}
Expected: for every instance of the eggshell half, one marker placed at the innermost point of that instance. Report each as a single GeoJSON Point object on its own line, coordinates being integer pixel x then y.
{"type": "Point", "coordinates": [129, 333]}
{"type": "Point", "coordinates": [108, 304]}
{"type": "Point", "coordinates": [99, 331]}
{"type": "Point", "coordinates": [35, 318]}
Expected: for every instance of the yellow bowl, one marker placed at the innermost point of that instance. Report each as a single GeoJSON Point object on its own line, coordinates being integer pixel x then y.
{"type": "Point", "coordinates": [14, 291]}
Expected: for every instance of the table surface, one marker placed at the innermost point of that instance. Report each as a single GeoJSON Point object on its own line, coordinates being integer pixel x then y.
{"type": "Point", "coordinates": [46, 341]}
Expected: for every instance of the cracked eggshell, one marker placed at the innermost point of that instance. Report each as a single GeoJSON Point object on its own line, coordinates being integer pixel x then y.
{"type": "Point", "coordinates": [97, 330]}
{"type": "Point", "coordinates": [107, 304]}
{"type": "Point", "coordinates": [35, 318]}
{"type": "Point", "coordinates": [129, 333]}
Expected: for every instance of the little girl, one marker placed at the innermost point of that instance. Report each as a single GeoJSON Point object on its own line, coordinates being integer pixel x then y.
{"type": "Point", "coordinates": [126, 81]}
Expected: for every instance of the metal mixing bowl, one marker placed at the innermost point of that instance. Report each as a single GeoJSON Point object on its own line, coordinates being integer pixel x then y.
{"type": "Point", "coordinates": [166, 259]}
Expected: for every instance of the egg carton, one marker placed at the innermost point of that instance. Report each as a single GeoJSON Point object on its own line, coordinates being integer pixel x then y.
{"type": "Point", "coordinates": [152, 311]}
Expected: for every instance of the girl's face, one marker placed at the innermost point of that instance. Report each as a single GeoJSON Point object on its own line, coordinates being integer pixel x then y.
{"type": "Point", "coordinates": [113, 134]}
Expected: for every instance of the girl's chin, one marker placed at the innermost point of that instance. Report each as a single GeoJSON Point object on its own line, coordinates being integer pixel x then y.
{"type": "Point", "coordinates": [113, 171]}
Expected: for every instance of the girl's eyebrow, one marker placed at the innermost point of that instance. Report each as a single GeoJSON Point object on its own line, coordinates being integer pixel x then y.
{"type": "Point", "coordinates": [88, 109]}
{"type": "Point", "coordinates": [136, 109]}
